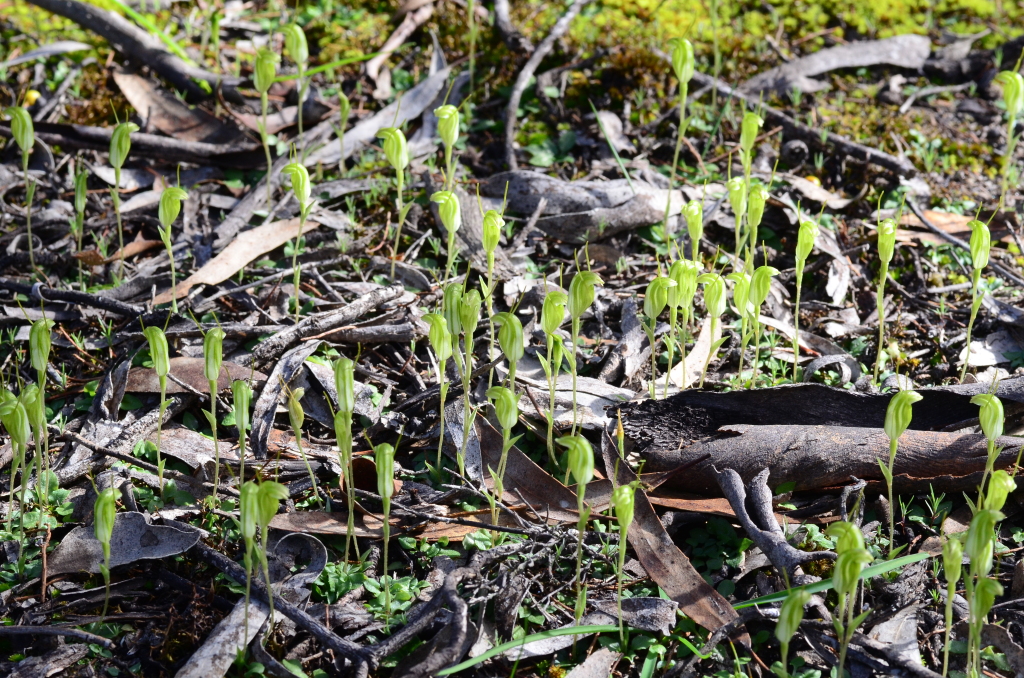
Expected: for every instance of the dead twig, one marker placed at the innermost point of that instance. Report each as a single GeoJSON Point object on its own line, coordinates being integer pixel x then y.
{"type": "Point", "coordinates": [557, 31]}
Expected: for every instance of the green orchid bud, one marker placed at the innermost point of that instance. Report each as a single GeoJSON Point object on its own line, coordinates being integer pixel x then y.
{"type": "Point", "coordinates": [981, 244]}
{"type": "Point", "coordinates": [805, 239]}
{"type": "Point", "coordinates": [213, 353]}
{"type": "Point", "coordinates": [952, 559]}
{"type": "Point", "coordinates": [396, 148]}
{"type": "Point", "coordinates": [81, 191]}
{"type": "Point", "coordinates": [248, 508]}
{"type": "Point", "coordinates": [384, 457]}
{"type": "Point", "coordinates": [898, 414]}
{"type": "Point", "coordinates": [749, 129]}
{"type": "Point", "coordinates": [552, 313]}
{"type": "Point", "coordinates": [506, 405]}
{"type": "Point", "coordinates": [104, 514]}
{"type": "Point", "coordinates": [295, 43]}
{"type": "Point", "coordinates": [581, 292]}
{"type": "Point", "coordinates": [741, 291]}
{"type": "Point", "coordinates": [22, 129]}
{"type": "Point", "coordinates": [760, 285]}
{"type": "Point", "coordinates": [581, 457]}
{"type": "Point", "coordinates": [978, 546]}
{"type": "Point", "coordinates": [694, 213]}
{"type": "Point", "coordinates": [684, 272]}
{"type": "Point", "coordinates": [296, 415]}
{"type": "Point", "coordinates": [344, 107]}
{"type": "Point", "coordinates": [345, 381]}
{"type": "Point", "coordinates": [34, 402]}
{"type": "Point", "coordinates": [737, 195]}
{"type": "Point", "coordinates": [15, 419]}
{"type": "Point", "coordinates": [991, 414]}
{"type": "Point", "coordinates": [121, 143]}
{"type": "Point", "coordinates": [624, 501]}
{"type": "Point", "coordinates": [469, 313]}
{"type": "Point", "coordinates": [299, 176]}
{"type": "Point", "coordinates": [158, 350]}
{"type": "Point", "coordinates": [271, 492]}
{"type": "Point", "coordinates": [714, 293]}
{"type": "Point", "coordinates": [848, 569]}
{"type": "Point", "coordinates": [265, 70]}
{"type": "Point", "coordinates": [847, 536]}
{"type": "Point", "coordinates": [241, 396]}
{"type": "Point", "coordinates": [1013, 91]}
{"type": "Point", "coordinates": [452, 305]}
{"type": "Point", "coordinates": [439, 335]}
{"type": "Point", "coordinates": [170, 205]}
{"type": "Point", "coordinates": [791, 614]}
{"type": "Point", "coordinates": [755, 208]}
{"type": "Point", "coordinates": [985, 593]}
{"type": "Point", "coordinates": [683, 61]}
{"type": "Point", "coordinates": [510, 336]}
{"type": "Point", "coordinates": [493, 225]}
{"type": "Point", "coordinates": [656, 296]}
{"type": "Point", "coordinates": [1000, 485]}
{"type": "Point", "coordinates": [447, 124]}
{"type": "Point", "coordinates": [886, 240]}
{"type": "Point", "coordinates": [449, 209]}
{"type": "Point", "coordinates": [39, 344]}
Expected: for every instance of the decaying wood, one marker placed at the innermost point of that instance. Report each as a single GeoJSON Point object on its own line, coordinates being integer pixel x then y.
{"type": "Point", "coordinates": [238, 154]}
{"type": "Point", "coordinates": [818, 457]}
{"type": "Point", "coordinates": [906, 51]}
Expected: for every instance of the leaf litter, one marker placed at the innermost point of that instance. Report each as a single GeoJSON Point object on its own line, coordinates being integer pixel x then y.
{"type": "Point", "coordinates": [745, 486]}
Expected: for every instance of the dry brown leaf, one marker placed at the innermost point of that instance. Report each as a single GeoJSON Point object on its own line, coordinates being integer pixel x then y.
{"type": "Point", "coordinates": [953, 224]}
{"type": "Point", "coordinates": [90, 257]}
{"type": "Point", "coordinates": [135, 247]}
{"type": "Point", "coordinates": [170, 115]}
{"type": "Point", "coordinates": [245, 248]}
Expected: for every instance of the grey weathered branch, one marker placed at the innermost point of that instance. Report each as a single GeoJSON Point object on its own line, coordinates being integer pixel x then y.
{"type": "Point", "coordinates": [136, 43]}
{"type": "Point", "coordinates": [510, 35]}
{"type": "Point", "coordinates": [529, 68]}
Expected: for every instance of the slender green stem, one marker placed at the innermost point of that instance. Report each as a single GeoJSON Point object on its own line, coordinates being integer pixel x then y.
{"type": "Point", "coordinates": [575, 329]}
{"type": "Point", "coordinates": [581, 528]}
{"type": "Point", "coordinates": [880, 302]}
{"type": "Point", "coordinates": [757, 348]}
{"type": "Point", "coordinates": [216, 441]}
{"type": "Point", "coordinates": [385, 582]}
{"type": "Point", "coordinates": [796, 319]}
{"type": "Point", "coordinates": [247, 561]}
{"type": "Point", "coordinates": [296, 272]}
{"type": "Point", "coordinates": [266, 577]}
{"type": "Point", "coordinates": [115, 196]}
{"type": "Point", "coordinates": [489, 302]}
{"type": "Point", "coordinates": [174, 280]}
{"type": "Point", "coordinates": [309, 469]}
{"type": "Point", "coordinates": [345, 448]}
{"type": "Point", "coordinates": [950, 592]}
{"type": "Point", "coordinates": [975, 305]}
{"type": "Point", "coordinates": [401, 219]}
{"type": "Point", "coordinates": [680, 134]}
{"type": "Point", "coordinates": [159, 432]}
{"type": "Point", "coordinates": [29, 193]}
{"type": "Point", "coordinates": [264, 104]}
{"type": "Point", "coordinates": [443, 387]}
{"type": "Point", "coordinates": [703, 374]}
{"type": "Point", "coordinates": [552, 378]}
{"type": "Point", "coordinates": [893, 445]}
{"type": "Point", "coordinates": [303, 87]}
{"type": "Point", "coordinates": [673, 333]}
{"type": "Point", "coordinates": [468, 415]}
{"type": "Point", "coordinates": [106, 584]}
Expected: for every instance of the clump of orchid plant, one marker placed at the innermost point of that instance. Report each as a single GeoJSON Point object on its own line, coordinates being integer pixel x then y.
{"type": "Point", "coordinates": [120, 146]}
{"type": "Point", "coordinates": [981, 247]}
{"type": "Point", "coordinates": [104, 514]}
{"type": "Point", "coordinates": [581, 465]}
{"type": "Point", "coordinates": [344, 382]}
{"type": "Point", "coordinates": [396, 150]}
{"type": "Point", "coordinates": [886, 248]}
{"type": "Point", "coordinates": [897, 421]}
{"type": "Point", "coordinates": [23, 133]}
{"type": "Point", "coordinates": [805, 238]}
{"type": "Point", "coordinates": [160, 355]}
{"type": "Point", "coordinates": [263, 76]}
{"type": "Point", "coordinates": [302, 189]}
{"type": "Point", "coordinates": [581, 298]}
{"type": "Point", "coordinates": [170, 208]}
